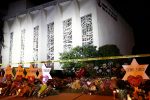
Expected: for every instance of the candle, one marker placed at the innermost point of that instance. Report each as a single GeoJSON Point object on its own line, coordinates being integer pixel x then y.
{"type": "Point", "coordinates": [114, 94]}
{"type": "Point", "coordinates": [128, 97]}
{"type": "Point", "coordinates": [18, 91]}
{"type": "Point", "coordinates": [117, 90]}
{"type": "Point", "coordinates": [0, 90]}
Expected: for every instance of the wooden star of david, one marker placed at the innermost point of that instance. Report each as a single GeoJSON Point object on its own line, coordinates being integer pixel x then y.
{"type": "Point", "coordinates": [20, 71]}
{"type": "Point", "coordinates": [31, 72]}
{"type": "Point", "coordinates": [135, 69]}
{"type": "Point", "coordinates": [44, 72]}
{"type": "Point", "coordinates": [8, 71]}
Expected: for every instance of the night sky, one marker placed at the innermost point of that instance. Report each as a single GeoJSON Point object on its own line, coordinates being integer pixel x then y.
{"type": "Point", "coordinates": [137, 15]}
{"type": "Point", "coordinates": [135, 12]}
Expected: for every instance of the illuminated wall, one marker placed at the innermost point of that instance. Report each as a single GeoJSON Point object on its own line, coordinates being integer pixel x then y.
{"type": "Point", "coordinates": [42, 34]}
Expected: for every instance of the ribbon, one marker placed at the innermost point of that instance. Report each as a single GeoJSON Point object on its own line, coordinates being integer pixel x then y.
{"type": "Point", "coordinates": [86, 59]}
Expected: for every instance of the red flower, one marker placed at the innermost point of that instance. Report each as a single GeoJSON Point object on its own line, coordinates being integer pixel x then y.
{"type": "Point", "coordinates": [8, 76]}
{"type": "Point", "coordinates": [31, 79]}
{"type": "Point", "coordinates": [80, 73]}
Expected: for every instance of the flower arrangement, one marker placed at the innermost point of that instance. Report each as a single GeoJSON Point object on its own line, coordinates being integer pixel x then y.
{"type": "Point", "coordinates": [100, 86]}
{"type": "Point", "coordinates": [89, 79]}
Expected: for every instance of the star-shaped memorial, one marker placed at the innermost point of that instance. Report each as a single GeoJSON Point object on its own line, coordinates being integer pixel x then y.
{"type": "Point", "coordinates": [135, 69]}
{"type": "Point", "coordinates": [8, 71]}
{"type": "Point", "coordinates": [44, 73]}
{"type": "Point", "coordinates": [31, 72]}
{"type": "Point", "coordinates": [19, 71]}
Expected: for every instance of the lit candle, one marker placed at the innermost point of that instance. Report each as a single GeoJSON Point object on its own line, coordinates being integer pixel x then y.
{"type": "Point", "coordinates": [128, 97]}
{"type": "Point", "coordinates": [114, 94]}
{"type": "Point", "coordinates": [0, 90]}
{"type": "Point", "coordinates": [117, 90]}
{"type": "Point", "coordinates": [18, 91]}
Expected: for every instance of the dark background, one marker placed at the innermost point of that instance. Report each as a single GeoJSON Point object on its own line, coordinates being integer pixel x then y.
{"type": "Point", "coordinates": [135, 12]}
{"type": "Point", "coordinates": [137, 15]}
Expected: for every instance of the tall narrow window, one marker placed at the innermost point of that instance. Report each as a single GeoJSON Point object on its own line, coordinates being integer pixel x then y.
{"type": "Point", "coordinates": [35, 43]}
{"type": "Point", "coordinates": [10, 47]}
{"type": "Point", "coordinates": [50, 43]}
{"type": "Point", "coordinates": [87, 30]}
{"type": "Point", "coordinates": [67, 34]}
{"type": "Point", "coordinates": [22, 45]}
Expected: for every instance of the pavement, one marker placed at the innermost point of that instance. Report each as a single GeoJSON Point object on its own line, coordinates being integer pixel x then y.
{"type": "Point", "coordinates": [62, 96]}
